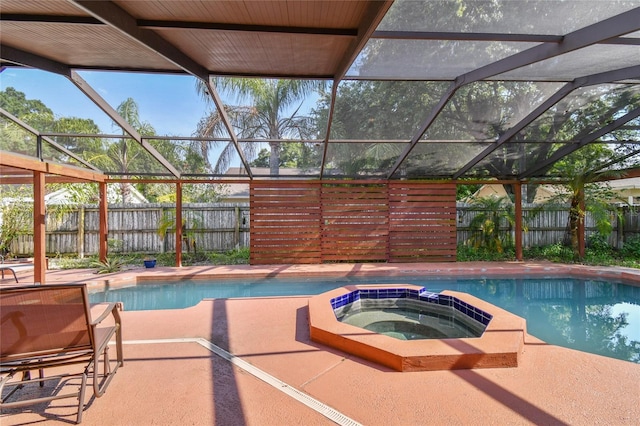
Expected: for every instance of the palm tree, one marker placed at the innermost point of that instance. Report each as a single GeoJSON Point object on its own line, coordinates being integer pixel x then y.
{"type": "Point", "coordinates": [120, 153]}
{"type": "Point", "coordinates": [268, 116]}
{"type": "Point", "coordinates": [485, 226]}
{"type": "Point", "coordinates": [581, 169]}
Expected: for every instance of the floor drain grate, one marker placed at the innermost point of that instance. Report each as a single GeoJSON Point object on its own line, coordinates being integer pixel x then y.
{"type": "Point", "coordinates": [318, 406]}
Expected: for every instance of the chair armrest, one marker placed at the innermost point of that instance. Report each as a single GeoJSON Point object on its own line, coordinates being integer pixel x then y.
{"type": "Point", "coordinates": [109, 308]}
{"type": "Point", "coordinates": [102, 335]}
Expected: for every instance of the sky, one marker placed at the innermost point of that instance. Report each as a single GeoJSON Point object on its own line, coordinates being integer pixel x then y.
{"type": "Point", "coordinates": [169, 103]}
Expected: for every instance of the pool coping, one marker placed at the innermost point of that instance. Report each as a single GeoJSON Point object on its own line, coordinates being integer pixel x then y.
{"type": "Point", "coordinates": [141, 276]}
{"type": "Point", "coordinates": [500, 346]}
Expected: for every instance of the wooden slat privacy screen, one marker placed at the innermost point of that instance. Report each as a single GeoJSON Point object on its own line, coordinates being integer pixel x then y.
{"type": "Point", "coordinates": [355, 223]}
{"type": "Point", "coordinates": [285, 222]}
{"type": "Point", "coordinates": [301, 222]}
{"type": "Point", "coordinates": [422, 222]}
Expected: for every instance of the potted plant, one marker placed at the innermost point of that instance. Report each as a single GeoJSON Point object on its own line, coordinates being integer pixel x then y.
{"type": "Point", "coordinates": [149, 262]}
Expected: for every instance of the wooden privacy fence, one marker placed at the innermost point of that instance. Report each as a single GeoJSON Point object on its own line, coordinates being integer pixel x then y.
{"type": "Point", "coordinates": [547, 225]}
{"type": "Point", "coordinates": [356, 225]}
{"type": "Point", "coordinates": [313, 222]}
{"type": "Point", "coordinates": [133, 228]}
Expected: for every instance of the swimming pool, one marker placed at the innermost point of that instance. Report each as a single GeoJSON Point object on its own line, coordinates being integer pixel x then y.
{"type": "Point", "coordinates": [588, 315]}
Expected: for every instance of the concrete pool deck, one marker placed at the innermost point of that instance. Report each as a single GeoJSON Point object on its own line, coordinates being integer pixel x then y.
{"type": "Point", "coordinates": [171, 376]}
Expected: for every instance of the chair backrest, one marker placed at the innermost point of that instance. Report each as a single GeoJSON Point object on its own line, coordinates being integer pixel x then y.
{"type": "Point", "coordinates": [44, 320]}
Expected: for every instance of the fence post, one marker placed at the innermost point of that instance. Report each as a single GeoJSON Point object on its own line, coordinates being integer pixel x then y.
{"type": "Point", "coordinates": [178, 224]}
{"type": "Point", "coordinates": [517, 189]}
{"type": "Point", "coordinates": [103, 233]}
{"type": "Point", "coordinates": [620, 214]}
{"type": "Point", "coordinates": [581, 225]}
{"type": "Point", "coordinates": [236, 233]}
{"type": "Point", "coordinates": [80, 236]}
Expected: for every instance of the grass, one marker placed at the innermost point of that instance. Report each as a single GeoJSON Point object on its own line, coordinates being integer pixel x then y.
{"type": "Point", "coordinates": [119, 261]}
{"type": "Point", "coordinates": [596, 254]}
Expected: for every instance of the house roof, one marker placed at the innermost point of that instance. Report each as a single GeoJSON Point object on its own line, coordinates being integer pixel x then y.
{"type": "Point", "coordinates": [544, 60]}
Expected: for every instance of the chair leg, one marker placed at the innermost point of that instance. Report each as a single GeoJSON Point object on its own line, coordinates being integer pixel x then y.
{"type": "Point", "coordinates": [83, 386]}
{"type": "Point", "coordinates": [107, 365]}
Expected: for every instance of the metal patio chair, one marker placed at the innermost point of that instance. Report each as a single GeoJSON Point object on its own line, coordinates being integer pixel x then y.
{"type": "Point", "coordinates": [4, 267]}
{"type": "Point", "coordinates": [50, 327]}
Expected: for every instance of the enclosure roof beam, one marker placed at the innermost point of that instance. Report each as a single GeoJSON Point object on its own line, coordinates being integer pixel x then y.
{"type": "Point", "coordinates": [487, 36]}
{"type": "Point", "coordinates": [117, 18]}
{"type": "Point", "coordinates": [20, 57]}
{"type": "Point", "coordinates": [158, 23]}
{"type": "Point", "coordinates": [51, 142]}
{"type": "Point", "coordinates": [615, 26]}
{"type": "Point", "coordinates": [619, 159]}
{"type": "Point", "coordinates": [220, 26]}
{"type": "Point", "coordinates": [227, 123]}
{"type": "Point", "coordinates": [568, 149]}
{"type": "Point", "coordinates": [374, 14]}
{"type": "Point", "coordinates": [451, 90]}
{"type": "Point", "coordinates": [506, 136]}
{"type": "Point", "coordinates": [334, 92]}
{"type": "Point", "coordinates": [600, 78]}
{"type": "Point", "coordinates": [113, 114]}
{"type": "Point", "coordinates": [11, 159]}
{"type": "Point", "coordinates": [111, 14]}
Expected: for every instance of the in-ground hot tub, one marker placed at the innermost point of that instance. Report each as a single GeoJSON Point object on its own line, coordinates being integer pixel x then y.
{"type": "Point", "coordinates": [485, 336]}
{"type": "Point", "coordinates": [408, 314]}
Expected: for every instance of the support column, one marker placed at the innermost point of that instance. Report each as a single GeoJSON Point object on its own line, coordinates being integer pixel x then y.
{"type": "Point", "coordinates": [517, 189]}
{"type": "Point", "coordinates": [178, 224]}
{"type": "Point", "coordinates": [39, 231]}
{"type": "Point", "coordinates": [103, 232]}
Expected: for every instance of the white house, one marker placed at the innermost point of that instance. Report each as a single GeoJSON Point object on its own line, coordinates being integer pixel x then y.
{"type": "Point", "coordinates": [114, 195]}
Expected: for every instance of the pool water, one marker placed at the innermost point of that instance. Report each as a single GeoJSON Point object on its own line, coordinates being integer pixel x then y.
{"type": "Point", "coordinates": [588, 315]}
{"type": "Point", "coordinates": [410, 324]}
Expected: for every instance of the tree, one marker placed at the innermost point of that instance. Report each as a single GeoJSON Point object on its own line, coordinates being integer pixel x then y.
{"type": "Point", "coordinates": [374, 111]}
{"type": "Point", "coordinates": [292, 154]}
{"type": "Point", "coordinates": [485, 225]}
{"type": "Point", "coordinates": [17, 206]}
{"type": "Point", "coordinates": [576, 117]}
{"type": "Point", "coordinates": [272, 114]}
{"type": "Point", "coordinates": [581, 170]}
{"type": "Point", "coordinates": [125, 156]}
{"type": "Point", "coordinates": [16, 215]}
{"type": "Point", "coordinates": [31, 111]}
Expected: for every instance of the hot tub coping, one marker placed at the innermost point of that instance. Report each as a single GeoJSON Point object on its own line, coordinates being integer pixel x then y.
{"type": "Point", "coordinates": [500, 346]}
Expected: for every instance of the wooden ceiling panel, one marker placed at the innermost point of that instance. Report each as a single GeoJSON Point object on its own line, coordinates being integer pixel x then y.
{"type": "Point", "coordinates": [270, 54]}
{"type": "Point", "coordinates": [295, 38]}
{"type": "Point", "coordinates": [89, 45]}
{"type": "Point", "coordinates": [41, 7]}
{"type": "Point", "coordinates": [315, 14]}
{"type": "Point", "coordinates": [195, 11]}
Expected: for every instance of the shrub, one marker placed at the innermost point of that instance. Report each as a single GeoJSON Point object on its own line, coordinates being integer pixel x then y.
{"type": "Point", "coordinates": [110, 264]}
{"type": "Point", "coordinates": [631, 248]}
